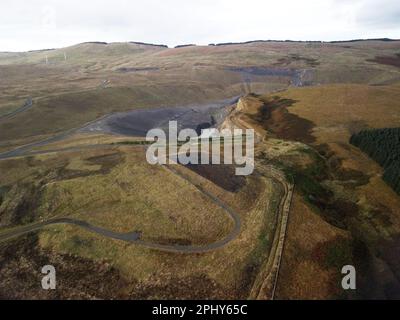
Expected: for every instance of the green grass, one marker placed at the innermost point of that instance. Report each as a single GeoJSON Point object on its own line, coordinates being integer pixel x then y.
{"type": "Point", "coordinates": [308, 179]}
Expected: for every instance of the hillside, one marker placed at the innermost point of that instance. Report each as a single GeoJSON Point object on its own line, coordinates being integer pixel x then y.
{"type": "Point", "coordinates": [76, 188]}
{"type": "Point", "coordinates": [342, 208]}
{"type": "Point", "coordinates": [98, 78]}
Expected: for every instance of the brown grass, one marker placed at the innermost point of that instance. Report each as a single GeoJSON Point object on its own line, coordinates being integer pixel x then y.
{"type": "Point", "coordinates": [370, 209]}
{"type": "Point", "coordinates": [337, 111]}
{"type": "Point", "coordinates": [124, 193]}
{"type": "Point", "coordinates": [387, 60]}
{"type": "Point", "coordinates": [301, 275]}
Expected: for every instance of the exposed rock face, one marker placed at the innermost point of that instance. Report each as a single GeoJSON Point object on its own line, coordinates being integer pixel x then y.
{"type": "Point", "coordinates": [242, 114]}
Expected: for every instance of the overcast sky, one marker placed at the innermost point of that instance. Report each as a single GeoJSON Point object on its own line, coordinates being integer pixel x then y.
{"type": "Point", "coordinates": [38, 24]}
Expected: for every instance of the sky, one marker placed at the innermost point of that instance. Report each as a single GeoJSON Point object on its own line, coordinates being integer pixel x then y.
{"type": "Point", "coordinates": [42, 24]}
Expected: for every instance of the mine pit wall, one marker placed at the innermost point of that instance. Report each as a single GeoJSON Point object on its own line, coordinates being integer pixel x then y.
{"type": "Point", "coordinates": [235, 119]}
{"type": "Point", "coordinates": [266, 282]}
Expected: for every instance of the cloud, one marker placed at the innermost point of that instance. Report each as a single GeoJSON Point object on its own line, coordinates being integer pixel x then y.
{"type": "Point", "coordinates": [40, 24]}
{"type": "Point", "coordinates": [379, 14]}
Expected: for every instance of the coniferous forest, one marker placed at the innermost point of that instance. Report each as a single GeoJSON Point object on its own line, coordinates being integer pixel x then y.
{"type": "Point", "coordinates": [382, 145]}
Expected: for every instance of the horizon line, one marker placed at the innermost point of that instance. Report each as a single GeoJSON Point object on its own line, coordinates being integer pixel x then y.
{"type": "Point", "coordinates": [384, 39]}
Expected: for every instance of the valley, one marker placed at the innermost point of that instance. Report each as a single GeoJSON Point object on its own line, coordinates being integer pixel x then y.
{"type": "Point", "coordinates": [77, 192]}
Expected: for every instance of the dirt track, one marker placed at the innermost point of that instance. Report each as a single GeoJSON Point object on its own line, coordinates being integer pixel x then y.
{"type": "Point", "coordinates": [26, 106]}
{"type": "Point", "coordinates": [134, 237]}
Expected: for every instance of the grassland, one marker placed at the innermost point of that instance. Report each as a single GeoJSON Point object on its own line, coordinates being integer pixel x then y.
{"type": "Point", "coordinates": [342, 211]}
{"type": "Point", "coordinates": [89, 83]}
{"type": "Point", "coordinates": [115, 188]}
{"type": "Point", "coordinates": [341, 200]}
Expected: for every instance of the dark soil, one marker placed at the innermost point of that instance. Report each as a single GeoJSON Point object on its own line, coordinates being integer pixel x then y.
{"type": "Point", "coordinates": [264, 71]}
{"type": "Point", "coordinates": [275, 117]}
{"type": "Point", "coordinates": [389, 251]}
{"type": "Point", "coordinates": [21, 262]}
{"type": "Point", "coordinates": [135, 69]}
{"type": "Point", "coordinates": [139, 122]}
{"type": "Point", "coordinates": [297, 58]}
{"type": "Point", "coordinates": [24, 211]}
{"type": "Point", "coordinates": [170, 241]}
{"type": "Point", "coordinates": [223, 175]}
{"type": "Point", "coordinates": [387, 60]}
{"type": "Point", "coordinates": [352, 177]}
{"type": "Point", "coordinates": [193, 288]}
{"type": "Point", "coordinates": [107, 163]}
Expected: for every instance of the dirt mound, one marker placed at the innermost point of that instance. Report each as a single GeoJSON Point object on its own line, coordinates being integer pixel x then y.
{"type": "Point", "coordinates": [139, 122]}
{"type": "Point", "coordinates": [222, 175]}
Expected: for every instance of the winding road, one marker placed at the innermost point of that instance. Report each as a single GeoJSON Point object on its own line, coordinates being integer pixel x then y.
{"type": "Point", "coordinates": [26, 106]}
{"type": "Point", "coordinates": [131, 237]}
{"type": "Point", "coordinates": [134, 237]}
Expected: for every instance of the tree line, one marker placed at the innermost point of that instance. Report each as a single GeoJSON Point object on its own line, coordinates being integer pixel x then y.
{"type": "Point", "coordinates": [382, 145]}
